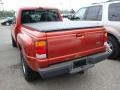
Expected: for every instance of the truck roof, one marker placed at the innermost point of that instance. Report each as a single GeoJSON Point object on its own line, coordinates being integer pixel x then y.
{"type": "Point", "coordinates": [56, 26]}
{"type": "Point", "coordinates": [30, 8]}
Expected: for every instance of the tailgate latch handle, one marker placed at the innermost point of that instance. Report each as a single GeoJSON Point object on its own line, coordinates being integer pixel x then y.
{"type": "Point", "coordinates": [80, 36]}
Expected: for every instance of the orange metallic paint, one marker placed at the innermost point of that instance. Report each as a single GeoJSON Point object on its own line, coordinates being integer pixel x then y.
{"type": "Point", "coordinates": [61, 46]}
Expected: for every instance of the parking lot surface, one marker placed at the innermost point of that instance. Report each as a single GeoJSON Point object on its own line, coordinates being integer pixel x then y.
{"type": "Point", "coordinates": [104, 76]}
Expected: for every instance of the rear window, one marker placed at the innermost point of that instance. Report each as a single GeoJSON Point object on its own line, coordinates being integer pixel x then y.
{"type": "Point", "coordinates": [113, 12]}
{"type": "Point", "coordinates": [32, 16]}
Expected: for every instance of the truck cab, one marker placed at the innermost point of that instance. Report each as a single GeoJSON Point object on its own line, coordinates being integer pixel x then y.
{"type": "Point", "coordinates": [32, 15]}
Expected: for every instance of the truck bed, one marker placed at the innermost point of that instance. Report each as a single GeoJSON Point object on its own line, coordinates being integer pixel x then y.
{"type": "Point", "coordinates": [57, 26]}
{"type": "Point", "coordinates": [68, 40]}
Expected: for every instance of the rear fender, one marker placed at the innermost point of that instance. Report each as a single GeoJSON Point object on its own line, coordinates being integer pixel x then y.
{"type": "Point", "coordinates": [26, 44]}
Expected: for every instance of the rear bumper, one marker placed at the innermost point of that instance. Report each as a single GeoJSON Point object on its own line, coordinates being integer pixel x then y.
{"type": "Point", "coordinates": [73, 66]}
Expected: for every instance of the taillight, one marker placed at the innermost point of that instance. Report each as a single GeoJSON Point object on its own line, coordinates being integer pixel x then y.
{"type": "Point", "coordinates": [41, 51]}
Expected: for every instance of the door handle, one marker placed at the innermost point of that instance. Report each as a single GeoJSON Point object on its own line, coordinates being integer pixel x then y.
{"type": "Point", "coordinates": [79, 35]}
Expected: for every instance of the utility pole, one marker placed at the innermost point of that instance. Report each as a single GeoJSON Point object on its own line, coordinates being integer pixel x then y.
{"type": "Point", "coordinates": [61, 4]}
{"type": "Point", "coordinates": [1, 5]}
{"type": "Point", "coordinates": [70, 4]}
{"type": "Point", "coordinates": [2, 8]}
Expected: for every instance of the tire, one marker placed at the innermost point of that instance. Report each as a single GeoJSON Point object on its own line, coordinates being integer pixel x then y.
{"type": "Point", "coordinates": [114, 46]}
{"type": "Point", "coordinates": [7, 24]}
{"type": "Point", "coordinates": [28, 73]}
{"type": "Point", "coordinates": [82, 72]}
{"type": "Point", "coordinates": [13, 42]}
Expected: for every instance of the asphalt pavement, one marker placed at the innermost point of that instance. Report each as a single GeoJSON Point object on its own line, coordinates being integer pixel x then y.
{"type": "Point", "coordinates": [104, 76]}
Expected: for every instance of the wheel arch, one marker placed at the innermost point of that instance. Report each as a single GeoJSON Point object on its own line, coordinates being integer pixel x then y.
{"type": "Point", "coordinates": [109, 34]}
{"type": "Point", "coordinates": [25, 44]}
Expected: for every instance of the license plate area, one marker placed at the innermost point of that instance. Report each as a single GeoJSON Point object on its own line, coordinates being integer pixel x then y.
{"type": "Point", "coordinates": [79, 63]}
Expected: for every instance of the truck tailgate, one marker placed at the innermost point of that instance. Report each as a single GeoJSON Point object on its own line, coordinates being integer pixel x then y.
{"type": "Point", "coordinates": [75, 43]}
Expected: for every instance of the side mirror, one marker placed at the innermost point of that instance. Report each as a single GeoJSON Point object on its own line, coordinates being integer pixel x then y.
{"type": "Point", "coordinates": [73, 17]}
{"type": "Point", "coordinates": [70, 17]}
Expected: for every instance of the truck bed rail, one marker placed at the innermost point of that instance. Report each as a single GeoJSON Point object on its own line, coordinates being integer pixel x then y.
{"type": "Point", "coordinates": [57, 26]}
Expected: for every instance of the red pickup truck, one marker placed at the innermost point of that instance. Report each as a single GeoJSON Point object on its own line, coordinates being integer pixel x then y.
{"type": "Point", "coordinates": [50, 46]}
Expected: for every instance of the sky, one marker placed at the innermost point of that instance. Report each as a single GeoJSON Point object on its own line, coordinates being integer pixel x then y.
{"type": "Point", "coordinates": [60, 4]}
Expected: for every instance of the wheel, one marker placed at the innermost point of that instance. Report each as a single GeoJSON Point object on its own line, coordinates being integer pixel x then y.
{"type": "Point", "coordinates": [28, 73]}
{"type": "Point", "coordinates": [7, 24]}
{"type": "Point", "coordinates": [13, 42]}
{"type": "Point", "coordinates": [113, 47]}
{"type": "Point", "coordinates": [82, 72]}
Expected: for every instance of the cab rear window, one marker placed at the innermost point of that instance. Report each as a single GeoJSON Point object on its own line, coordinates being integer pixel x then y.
{"type": "Point", "coordinates": [32, 16]}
